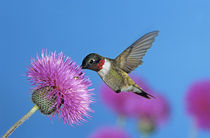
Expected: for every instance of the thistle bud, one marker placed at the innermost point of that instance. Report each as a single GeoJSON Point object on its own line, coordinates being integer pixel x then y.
{"type": "Point", "coordinates": [45, 103]}
{"type": "Point", "coordinates": [146, 126]}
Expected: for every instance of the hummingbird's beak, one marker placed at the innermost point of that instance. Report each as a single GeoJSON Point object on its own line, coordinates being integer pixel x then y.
{"type": "Point", "coordinates": [82, 67]}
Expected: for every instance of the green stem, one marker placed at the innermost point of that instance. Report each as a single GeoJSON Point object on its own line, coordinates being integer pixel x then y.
{"type": "Point", "coordinates": [193, 130]}
{"type": "Point", "coordinates": [16, 125]}
{"type": "Point", "coordinates": [121, 121]}
{"type": "Point", "coordinates": [145, 135]}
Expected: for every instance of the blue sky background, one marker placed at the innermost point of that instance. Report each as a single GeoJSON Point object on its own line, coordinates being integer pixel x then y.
{"type": "Point", "coordinates": [179, 56]}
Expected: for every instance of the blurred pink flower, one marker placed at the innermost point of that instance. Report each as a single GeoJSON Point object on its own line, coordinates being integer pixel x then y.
{"type": "Point", "coordinates": [156, 110]}
{"type": "Point", "coordinates": [198, 103]}
{"type": "Point", "coordinates": [131, 105]}
{"type": "Point", "coordinates": [110, 132]}
{"type": "Point", "coordinates": [118, 102]}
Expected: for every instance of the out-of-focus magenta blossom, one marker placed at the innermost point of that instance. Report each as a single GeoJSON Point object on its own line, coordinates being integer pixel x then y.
{"type": "Point", "coordinates": [156, 109]}
{"type": "Point", "coordinates": [110, 132]}
{"type": "Point", "coordinates": [198, 103]}
{"type": "Point", "coordinates": [131, 105]}
{"type": "Point", "coordinates": [118, 102]}
{"type": "Point", "coordinates": [70, 86]}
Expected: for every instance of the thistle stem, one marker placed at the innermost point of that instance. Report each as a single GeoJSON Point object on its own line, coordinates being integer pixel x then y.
{"type": "Point", "coordinates": [18, 123]}
{"type": "Point", "coordinates": [145, 135]}
{"type": "Point", "coordinates": [193, 130]}
{"type": "Point", "coordinates": [121, 121]}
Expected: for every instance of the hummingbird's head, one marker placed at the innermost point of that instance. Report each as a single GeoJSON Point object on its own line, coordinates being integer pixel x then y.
{"type": "Point", "coordinates": [93, 62]}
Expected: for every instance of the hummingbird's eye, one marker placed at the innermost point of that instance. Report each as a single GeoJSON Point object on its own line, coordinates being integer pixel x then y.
{"type": "Point", "coordinates": [91, 61]}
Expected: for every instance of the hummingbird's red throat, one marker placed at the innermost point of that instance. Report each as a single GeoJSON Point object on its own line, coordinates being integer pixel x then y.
{"type": "Point", "coordinates": [100, 64]}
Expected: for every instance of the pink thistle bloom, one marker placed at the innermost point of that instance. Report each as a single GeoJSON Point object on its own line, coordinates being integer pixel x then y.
{"type": "Point", "coordinates": [131, 105]}
{"type": "Point", "coordinates": [65, 82]}
{"type": "Point", "coordinates": [198, 103]}
{"type": "Point", "coordinates": [118, 102]}
{"type": "Point", "coordinates": [156, 110]}
{"type": "Point", "coordinates": [109, 132]}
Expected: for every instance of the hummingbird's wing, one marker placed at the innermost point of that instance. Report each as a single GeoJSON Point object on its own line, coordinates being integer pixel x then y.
{"type": "Point", "coordinates": [131, 58]}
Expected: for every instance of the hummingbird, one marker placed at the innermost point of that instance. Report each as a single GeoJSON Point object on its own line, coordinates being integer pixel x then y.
{"type": "Point", "coordinates": [114, 72]}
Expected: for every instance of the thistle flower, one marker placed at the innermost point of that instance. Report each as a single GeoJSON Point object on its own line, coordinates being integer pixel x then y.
{"type": "Point", "coordinates": [198, 103]}
{"type": "Point", "coordinates": [156, 110]}
{"type": "Point", "coordinates": [68, 86]}
{"type": "Point", "coordinates": [60, 88]}
{"type": "Point", "coordinates": [109, 132]}
{"type": "Point", "coordinates": [119, 102]}
{"type": "Point", "coordinates": [151, 112]}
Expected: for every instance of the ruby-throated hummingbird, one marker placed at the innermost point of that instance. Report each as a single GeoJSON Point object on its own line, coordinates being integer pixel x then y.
{"type": "Point", "coordinates": [114, 72]}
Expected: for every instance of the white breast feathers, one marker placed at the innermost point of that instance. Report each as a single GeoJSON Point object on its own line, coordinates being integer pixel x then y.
{"type": "Point", "coordinates": [105, 69]}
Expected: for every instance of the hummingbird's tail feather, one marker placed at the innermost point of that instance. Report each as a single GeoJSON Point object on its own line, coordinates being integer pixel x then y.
{"type": "Point", "coordinates": [144, 94]}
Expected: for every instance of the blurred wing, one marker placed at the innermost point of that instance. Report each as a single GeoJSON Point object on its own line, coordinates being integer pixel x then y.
{"type": "Point", "coordinates": [131, 58]}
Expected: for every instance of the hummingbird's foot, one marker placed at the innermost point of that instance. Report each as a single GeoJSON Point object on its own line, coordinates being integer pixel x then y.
{"type": "Point", "coordinates": [118, 91]}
